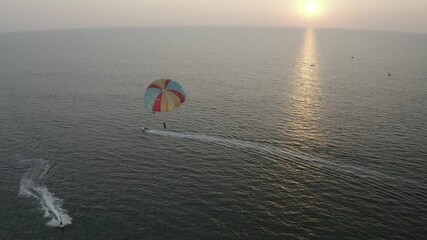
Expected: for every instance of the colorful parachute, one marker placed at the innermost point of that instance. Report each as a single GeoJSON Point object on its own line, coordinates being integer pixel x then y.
{"type": "Point", "coordinates": [163, 95]}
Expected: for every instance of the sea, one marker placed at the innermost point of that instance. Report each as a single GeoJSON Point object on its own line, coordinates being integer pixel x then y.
{"type": "Point", "coordinates": [286, 133]}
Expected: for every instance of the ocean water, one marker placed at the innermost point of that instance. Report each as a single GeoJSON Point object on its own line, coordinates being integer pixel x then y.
{"type": "Point", "coordinates": [285, 134]}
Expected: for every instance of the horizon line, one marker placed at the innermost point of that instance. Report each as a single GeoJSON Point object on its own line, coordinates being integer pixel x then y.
{"type": "Point", "coordinates": [204, 26]}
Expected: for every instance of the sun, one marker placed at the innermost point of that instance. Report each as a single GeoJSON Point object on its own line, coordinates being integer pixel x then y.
{"type": "Point", "coordinates": [311, 9]}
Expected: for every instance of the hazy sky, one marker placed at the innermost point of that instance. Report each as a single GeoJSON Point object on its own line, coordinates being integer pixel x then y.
{"type": "Point", "coordinates": [399, 15]}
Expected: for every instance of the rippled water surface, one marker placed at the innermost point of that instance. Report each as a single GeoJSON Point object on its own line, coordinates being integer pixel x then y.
{"type": "Point", "coordinates": [286, 134]}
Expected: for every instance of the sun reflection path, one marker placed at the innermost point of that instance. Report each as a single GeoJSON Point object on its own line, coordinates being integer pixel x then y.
{"type": "Point", "coordinates": [305, 101]}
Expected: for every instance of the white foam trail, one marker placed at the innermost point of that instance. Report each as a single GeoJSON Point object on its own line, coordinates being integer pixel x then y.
{"type": "Point", "coordinates": [233, 142]}
{"type": "Point", "coordinates": [344, 168]}
{"type": "Point", "coordinates": [214, 139]}
{"type": "Point", "coordinates": [32, 185]}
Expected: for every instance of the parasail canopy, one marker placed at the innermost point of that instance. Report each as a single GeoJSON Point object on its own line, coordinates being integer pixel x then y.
{"type": "Point", "coordinates": [163, 95]}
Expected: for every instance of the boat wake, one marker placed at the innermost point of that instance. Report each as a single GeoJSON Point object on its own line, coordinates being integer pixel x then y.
{"type": "Point", "coordinates": [32, 185]}
{"type": "Point", "coordinates": [294, 156]}
{"type": "Point", "coordinates": [216, 140]}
